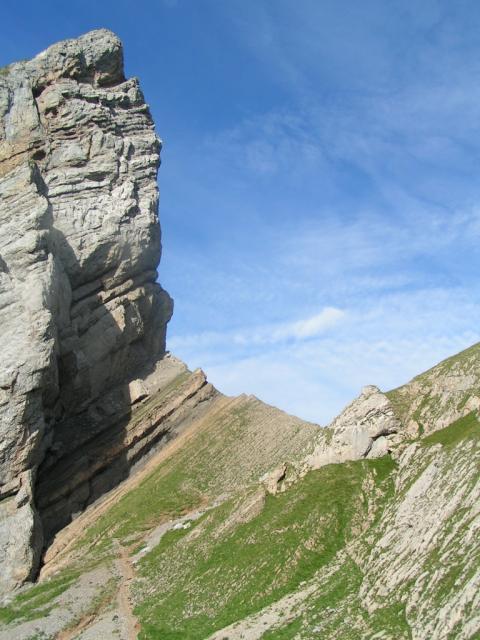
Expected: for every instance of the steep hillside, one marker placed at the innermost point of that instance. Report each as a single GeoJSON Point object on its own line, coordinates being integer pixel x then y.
{"type": "Point", "coordinates": [236, 530]}
{"type": "Point", "coordinates": [436, 398]}
{"type": "Point", "coordinates": [222, 453]}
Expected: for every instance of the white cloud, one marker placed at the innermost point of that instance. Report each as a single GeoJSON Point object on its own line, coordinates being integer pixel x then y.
{"type": "Point", "coordinates": [313, 367]}
{"type": "Point", "coordinates": [360, 203]}
{"type": "Point", "coordinates": [310, 327]}
{"type": "Point", "coordinates": [317, 380]}
{"type": "Point", "coordinates": [272, 334]}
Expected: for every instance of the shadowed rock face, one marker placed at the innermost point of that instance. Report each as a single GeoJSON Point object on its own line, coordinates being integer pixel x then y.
{"type": "Point", "coordinates": [82, 316]}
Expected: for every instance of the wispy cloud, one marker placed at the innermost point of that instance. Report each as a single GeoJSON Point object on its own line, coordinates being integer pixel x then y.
{"type": "Point", "coordinates": [382, 341]}
{"type": "Point", "coordinates": [309, 327]}
{"type": "Point", "coordinates": [335, 234]}
{"type": "Point", "coordinates": [315, 382]}
{"type": "Point", "coordinates": [272, 334]}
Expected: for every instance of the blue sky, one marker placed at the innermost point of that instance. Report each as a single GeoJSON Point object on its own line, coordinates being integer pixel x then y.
{"type": "Point", "coordinates": [319, 187]}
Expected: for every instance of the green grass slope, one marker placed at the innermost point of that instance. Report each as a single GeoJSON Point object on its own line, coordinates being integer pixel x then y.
{"type": "Point", "coordinates": [383, 549]}
{"type": "Point", "coordinates": [233, 448]}
{"type": "Point", "coordinates": [194, 584]}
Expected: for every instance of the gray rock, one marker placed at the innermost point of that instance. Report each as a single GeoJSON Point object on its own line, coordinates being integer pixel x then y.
{"type": "Point", "coordinates": [366, 428]}
{"type": "Point", "coordinates": [83, 317]}
{"type": "Point", "coordinates": [272, 481]}
{"type": "Point", "coordinates": [447, 392]}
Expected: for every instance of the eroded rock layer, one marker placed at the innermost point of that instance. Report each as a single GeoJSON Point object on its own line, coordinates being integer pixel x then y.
{"type": "Point", "coordinates": [83, 318]}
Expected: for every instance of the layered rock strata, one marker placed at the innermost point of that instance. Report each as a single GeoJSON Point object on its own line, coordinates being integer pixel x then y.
{"type": "Point", "coordinates": [366, 428]}
{"type": "Point", "coordinates": [83, 318]}
{"type": "Point", "coordinates": [441, 395]}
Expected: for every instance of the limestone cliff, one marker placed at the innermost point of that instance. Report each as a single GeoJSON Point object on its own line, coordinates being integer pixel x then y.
{"type": "Point", "coordinates": [83, 318]}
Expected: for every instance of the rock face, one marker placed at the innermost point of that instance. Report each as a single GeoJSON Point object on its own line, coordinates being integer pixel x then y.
{"type": "Point", "coordinates": [83, 318]}
{"type": "Point", "coordinates": [441, 395]}
{"type": "Point", "coordinates": [426, 548]}
{"type": "Point", "coordinates": [366, 428]}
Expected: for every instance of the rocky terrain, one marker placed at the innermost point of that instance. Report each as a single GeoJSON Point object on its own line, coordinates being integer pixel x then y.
{"type": "Point", "coordinates": [436, 398]}
{"type": "Point", "coordinates": [141, 501]}
{"type": "Point", "coordinates": [83, 317]}
{"type": "Point", "coordinates": [254, 524]}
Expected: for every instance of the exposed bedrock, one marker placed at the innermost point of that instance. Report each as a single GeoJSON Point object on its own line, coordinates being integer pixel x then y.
{"type": "Point", "coordinates": [366, 428]}
{"type": "Point", "coordinates": [83, 319]}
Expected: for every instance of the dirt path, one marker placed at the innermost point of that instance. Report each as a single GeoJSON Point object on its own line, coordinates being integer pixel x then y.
{"type": "Point", "coordinates": [124, 601]}
{"type": "Point", "coordinates": [93, 623]}
{"type": "Point", "coordinates": [59, 554]}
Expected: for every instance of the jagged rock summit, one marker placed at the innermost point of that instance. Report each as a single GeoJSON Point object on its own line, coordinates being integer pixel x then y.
{"type": "Point", "coordinates": [81, 312]}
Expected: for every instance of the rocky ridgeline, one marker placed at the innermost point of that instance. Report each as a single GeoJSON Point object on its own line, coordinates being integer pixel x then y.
{"type": "Point", "coordinates": [83, 317]}
{"type": "Point", "coordinates": [377, 423]}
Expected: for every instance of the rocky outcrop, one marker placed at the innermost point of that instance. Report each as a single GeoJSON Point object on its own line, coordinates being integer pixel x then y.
{"type": "Point", "coordinates": [448, 391]}
{"type": "Point", "coordinates": [376, 422]}
{"type": "Point", "coordinates": [83, 317]}
{"type": "Point", "coordinates": [426, 547]}
{"type": "Point", "coordinates": [366, 428]}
